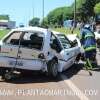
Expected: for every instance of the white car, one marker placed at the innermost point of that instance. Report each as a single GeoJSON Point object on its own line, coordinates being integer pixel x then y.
{"type": "Point", "coordinates": [73, 38]}
{"type": "Point", "coordinates": [97, 35]}
{"type": "Point", "coordinates": [36, 49]}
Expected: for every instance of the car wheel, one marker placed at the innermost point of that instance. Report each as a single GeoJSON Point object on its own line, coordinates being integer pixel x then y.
{"type": "Point", "coordinates": [7, 76]}
{"type": "Point", "coordinates": [98, 43]}
{"type": "Point", "coordinates": [2, 72]}
{"type": "Point", "coordinates": [52, 68]}
{"type": "Point", "coordinates": [78, 58]}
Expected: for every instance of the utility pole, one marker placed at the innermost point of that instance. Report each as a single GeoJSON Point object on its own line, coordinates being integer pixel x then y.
{"type": "Point", "coordinates": [32, 9]}
{"type": "Point", "coordinates": [74, 22]}
{"type": "Point", "coordinates": [75, 14]}
{"type": "Point", "coordinates": [43, 11]}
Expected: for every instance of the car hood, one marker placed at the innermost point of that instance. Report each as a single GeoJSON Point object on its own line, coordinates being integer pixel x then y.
{"type": "Point", "coordinates": [97, 35]}
{"type": "Point", "coordinates": [0, 42]}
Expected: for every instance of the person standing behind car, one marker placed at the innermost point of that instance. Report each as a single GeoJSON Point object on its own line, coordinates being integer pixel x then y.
{"type": "Point", "coordinates": [89, 44]}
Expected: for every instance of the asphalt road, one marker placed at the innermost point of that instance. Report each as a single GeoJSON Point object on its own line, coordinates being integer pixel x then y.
{"type": "Point", "coordinates": [73, 84]}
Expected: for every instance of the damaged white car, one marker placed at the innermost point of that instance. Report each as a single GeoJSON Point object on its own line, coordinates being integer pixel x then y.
{"type": "Point", "coordinates": [36, 49]}
{"type": "Point", "coordinates": [97, 35]}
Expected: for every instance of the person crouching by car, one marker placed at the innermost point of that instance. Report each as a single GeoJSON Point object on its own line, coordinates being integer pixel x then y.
{"type": "Point", "coordinates": [89, 44]}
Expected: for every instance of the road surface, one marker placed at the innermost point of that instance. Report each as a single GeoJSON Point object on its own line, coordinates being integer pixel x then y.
{"type": "Point", "coordinates": [73, 84]}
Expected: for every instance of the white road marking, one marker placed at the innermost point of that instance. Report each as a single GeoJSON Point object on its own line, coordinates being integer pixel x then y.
{"type": "Point", "coordinates": [74, 88]}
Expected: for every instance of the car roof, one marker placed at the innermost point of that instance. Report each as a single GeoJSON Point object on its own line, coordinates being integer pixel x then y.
{"type": "Point", "coordinates": [31, 29]}
{"type": "Point", "coordinates": [72, 37]}
{"type": "Point", "coordinates": [38, 29]}
{"type": "Point", "coordinates": [57, 33]}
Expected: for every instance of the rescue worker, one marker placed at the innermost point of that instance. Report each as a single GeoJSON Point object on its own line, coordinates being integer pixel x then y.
{"type": "Point", "coordinates": [89, 44]}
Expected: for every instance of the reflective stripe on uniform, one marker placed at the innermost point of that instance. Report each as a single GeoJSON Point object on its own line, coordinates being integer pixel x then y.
{"type": "Point", "coordinates": [89, 36]}
{"type": "Point", "coordinates": [90, 48]}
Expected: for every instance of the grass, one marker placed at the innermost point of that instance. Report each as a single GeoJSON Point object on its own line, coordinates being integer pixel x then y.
{"type": "Point", "coordinates": [3, 33]}
{"type": "Point", "coordinates": [67, 30]}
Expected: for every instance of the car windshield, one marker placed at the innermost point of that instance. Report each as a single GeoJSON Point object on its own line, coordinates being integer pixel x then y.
{"type": "Point", "coordinates": [64, 41]}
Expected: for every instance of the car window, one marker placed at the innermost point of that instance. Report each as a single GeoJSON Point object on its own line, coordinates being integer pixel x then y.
{"type": "Point", "coordinates": [64, 41]}
{"type": "Point", "coordinates": [28, 39]}
{"type": "Point", "coordinates": [32, 40]}
{"type": "Point", "coordinates": [56, 43]}
{"type": "Point", "coordinates": [13, 38]}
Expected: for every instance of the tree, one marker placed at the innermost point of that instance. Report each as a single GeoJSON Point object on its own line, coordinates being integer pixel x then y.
{"type": "Point", "coordinates": [44, 22]}
{"type": "Point", "coordinates": [87, 9]}
{"type": "Point", "coordinates": [84, 10]}
{"type": "Point", "coordinates": [34, 22]}
{"type": "Point", "coordinates": [58, 15]}
{"type": "Point", "coordinates": [79, 4]}
{"type": "Point", "coordinates": [4, 17]}
{"type": "Point", "coordinates": [97, 8]}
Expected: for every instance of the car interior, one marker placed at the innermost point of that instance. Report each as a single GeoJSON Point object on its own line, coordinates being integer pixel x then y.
{"type": "Point", "coordinates": [34, 41]}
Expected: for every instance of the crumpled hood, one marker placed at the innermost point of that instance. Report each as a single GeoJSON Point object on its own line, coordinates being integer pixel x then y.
{"type": "Point", "coordinates": [97, 35]}
{"type": "Point", "coordinates": [0, 42]}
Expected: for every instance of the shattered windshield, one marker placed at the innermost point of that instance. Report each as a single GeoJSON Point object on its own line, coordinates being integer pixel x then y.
{"type": "Point", "coordinates": [64, 41]}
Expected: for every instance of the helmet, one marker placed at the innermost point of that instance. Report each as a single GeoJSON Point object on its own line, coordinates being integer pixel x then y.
{"type": "Point", "coordinates": [88, 26]}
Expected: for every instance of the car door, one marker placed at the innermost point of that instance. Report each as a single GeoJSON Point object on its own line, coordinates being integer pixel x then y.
{"type": "Point", "coordinates": [9, 49]}
{"type": "Point", "coordinates": [31, 46]}
{"type": "Point", "coordinates": [71, 51]}
{"type": "Point", "coordinates": [67, 56]}
{"type": "Point", "coordinates": [63, 51]}
{"type": "Point", "coordinates": [67, 52]}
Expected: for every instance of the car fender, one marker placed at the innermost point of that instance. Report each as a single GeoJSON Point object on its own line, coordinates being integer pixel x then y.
{"type": "Point", "coordinates": [50, 56]}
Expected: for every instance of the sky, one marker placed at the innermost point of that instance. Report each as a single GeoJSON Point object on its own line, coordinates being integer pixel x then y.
{"type": "Point", "coordinates": [22, 11]}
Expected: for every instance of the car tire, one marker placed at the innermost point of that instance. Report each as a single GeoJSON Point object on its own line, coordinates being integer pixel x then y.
{"type": "Point", "coordinates": [52, 68]}
{"type": "Point", "coordinates": [78, 58]}
{"type": "Point", "coordinates": [8, 76]}
{"type": "Point", "coordinates": [98, 43]}
{"type": "Point", "coordinates": [2, 72]}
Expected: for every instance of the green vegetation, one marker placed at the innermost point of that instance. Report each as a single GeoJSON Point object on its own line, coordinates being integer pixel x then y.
{"type": "Point", "coordinates": [58, 15]}
{"type": "Point", "coordinates": [34, 22]}
{"type": "Point", "coordinates": [3, 33]}
{"type": "Point", "coordinates": [4, 17]}
{"type": "Point", "coordinates": [85, 10]}
{"type": "Point", "coordinates": [97, 8]}
{"type": "Point", "coordinates": [66, 30]}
